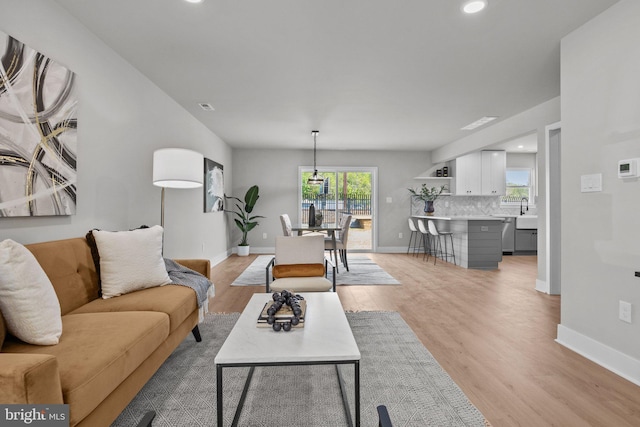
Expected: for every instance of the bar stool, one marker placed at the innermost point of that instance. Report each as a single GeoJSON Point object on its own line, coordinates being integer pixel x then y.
{"type": "Point", "coordinates": [433, 230]}
{"type": "Point", "coordinates": [426, 242]}
{"type": "Point", "coordinates": [414, 233]}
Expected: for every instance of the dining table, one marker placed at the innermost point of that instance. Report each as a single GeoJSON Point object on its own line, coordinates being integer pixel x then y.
{"type": "Point", "coordinates": [329, 228]}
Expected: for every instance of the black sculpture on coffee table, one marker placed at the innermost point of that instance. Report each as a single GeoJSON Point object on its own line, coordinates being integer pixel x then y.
{"type": "Point", "coordinates": [279, 300]}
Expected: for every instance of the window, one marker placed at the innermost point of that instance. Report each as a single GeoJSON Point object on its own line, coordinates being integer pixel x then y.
{"type": "Point", "coordinates": [346, 190]}
{"type": "Point", "coordinates": [519, 185]}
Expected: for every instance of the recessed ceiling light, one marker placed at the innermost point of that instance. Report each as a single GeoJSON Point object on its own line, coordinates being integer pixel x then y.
{"type": "Point", "coordinates": [521, 146]}
{"type": "Point", "coordinates": [206, 106]}
{"type": "Point", "coordinates": [474, 6]}
{"type": "Point", "coordinates": [480, 122]}
{"type": "Point", "coordinates": [194, 1]}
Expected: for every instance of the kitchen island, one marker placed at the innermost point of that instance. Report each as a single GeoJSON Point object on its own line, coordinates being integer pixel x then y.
{"type": "Point", "coordinates": [477, 240]}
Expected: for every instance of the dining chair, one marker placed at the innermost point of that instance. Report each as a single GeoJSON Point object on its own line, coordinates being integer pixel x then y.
{"type": "Point", "coordinates": [299, 265]}
{"type": "Point", "coordinates": [438, 236]}
{"type": "Point", "coordinates": [426, 241]}
{"type": "Point", "coordinates": [341, 240]}
{"type": "Point", "coordinates": [413, 237]}
{"type": "Point", "coordinates": [286, 225]}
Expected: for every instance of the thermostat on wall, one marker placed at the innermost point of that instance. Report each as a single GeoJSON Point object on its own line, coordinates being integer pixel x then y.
{"type": "Point", "coordinates": [628, 168]}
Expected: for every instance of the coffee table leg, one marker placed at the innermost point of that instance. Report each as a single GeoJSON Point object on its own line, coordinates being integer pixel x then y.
{"type": "Point", "coordinates": [243, 397]}
{"type": "Point", "coordinates": [356, 370]}
{"type": "Point", "coordinates": [219, 394]}
{"type": "Point", "coordinates": [343, 390]}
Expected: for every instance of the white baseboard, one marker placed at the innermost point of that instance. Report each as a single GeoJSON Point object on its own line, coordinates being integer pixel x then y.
{"type": "Point", "coordinates": [219, 258]}
{"type": "Point", "coordinates": [392, 249]}
{"type": "Point", "coordinates": [615, 361]}
{"type": "Point", "coordinates": [541, 286]}
{"type": "Point", "coordinates": [258, 250]}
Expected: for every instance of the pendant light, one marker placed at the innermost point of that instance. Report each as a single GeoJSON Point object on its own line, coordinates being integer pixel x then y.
{"type": "Point", "coordinates": [315, 179]}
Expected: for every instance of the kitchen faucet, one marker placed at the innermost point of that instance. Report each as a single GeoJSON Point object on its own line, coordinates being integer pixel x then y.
{"type": "Point", "coordinates": [521, 200]}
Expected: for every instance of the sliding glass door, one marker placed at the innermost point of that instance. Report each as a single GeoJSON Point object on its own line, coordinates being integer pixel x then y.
{"type": "Point", "coordinates": [345, 191]}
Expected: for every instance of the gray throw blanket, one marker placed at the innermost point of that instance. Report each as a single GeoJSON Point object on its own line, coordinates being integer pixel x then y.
{"type": "Point", "coordinates": [181, 275]}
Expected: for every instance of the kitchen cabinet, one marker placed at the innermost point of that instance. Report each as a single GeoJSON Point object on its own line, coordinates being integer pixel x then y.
{"type": "Point", "coordinates": [526, 240]}
{"type": "Point", "coordinates": [468, 174]}
{"type": "Point", "coordinates": [482, 173]}
{"type": "Point", "coordinates": [494, 167]}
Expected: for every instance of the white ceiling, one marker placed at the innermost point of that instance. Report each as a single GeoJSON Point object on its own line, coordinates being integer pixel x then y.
{"type": "Point", "coordinates": [369, 74]}
{"type": "Point", "coordinates": [522, 144]}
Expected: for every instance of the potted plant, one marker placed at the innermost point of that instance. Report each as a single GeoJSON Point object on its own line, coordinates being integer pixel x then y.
{"type": "Point", "coordinates": [244, 221]}
{"type": "Point", "coordinates": [428, 195]}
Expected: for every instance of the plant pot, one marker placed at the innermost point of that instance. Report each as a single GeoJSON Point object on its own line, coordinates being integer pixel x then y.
{"type": "Point", "coordinates": [428, 207]}
{"type": "Point", "coordinates": [243, 250]}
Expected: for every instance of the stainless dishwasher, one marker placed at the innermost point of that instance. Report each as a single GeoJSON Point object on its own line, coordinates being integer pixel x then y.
{"type": "Point", "coordinates": [508, 235]}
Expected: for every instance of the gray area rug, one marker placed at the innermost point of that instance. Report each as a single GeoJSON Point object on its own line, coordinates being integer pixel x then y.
{"type": "Point", "coordinates": [396, 370]}
{"type": "Point", "coordinates": [362, 271]}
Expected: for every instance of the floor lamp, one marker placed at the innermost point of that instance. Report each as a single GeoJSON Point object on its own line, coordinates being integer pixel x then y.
{"type": "Point", "coordinates": [176, 168]}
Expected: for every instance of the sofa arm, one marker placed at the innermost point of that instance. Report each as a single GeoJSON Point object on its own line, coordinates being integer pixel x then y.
{"type": "Point", "coordinates": [202, 266]}
{"type": "Point", "coordinates": [29, 378]}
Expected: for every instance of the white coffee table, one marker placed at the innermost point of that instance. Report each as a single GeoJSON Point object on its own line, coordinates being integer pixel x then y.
{"type": "Point", "coordinates": [326, 338]}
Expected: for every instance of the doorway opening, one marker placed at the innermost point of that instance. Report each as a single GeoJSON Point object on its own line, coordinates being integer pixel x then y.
{"type": "Point", "coordinates": [553, 161]}
{"type": "Point", "coordinates": [345, 191]}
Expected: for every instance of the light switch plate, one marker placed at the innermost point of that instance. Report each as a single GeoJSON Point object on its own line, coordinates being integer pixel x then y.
{"type": "Point", "coordinates": [591, 183]}
{"type": "Point", "coordinates": [624, 311]}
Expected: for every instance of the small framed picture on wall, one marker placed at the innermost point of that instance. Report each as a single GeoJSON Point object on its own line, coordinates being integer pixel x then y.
{"type": "Point", "coordinates": [213, 186]}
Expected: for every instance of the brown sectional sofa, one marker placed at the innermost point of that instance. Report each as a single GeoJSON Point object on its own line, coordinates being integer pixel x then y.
{"type": "Point", "coordinates": [109, 348]}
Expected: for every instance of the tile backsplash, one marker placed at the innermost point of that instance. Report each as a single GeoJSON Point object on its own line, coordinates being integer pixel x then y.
{"type": "Point", "coordinates": [469, 206]}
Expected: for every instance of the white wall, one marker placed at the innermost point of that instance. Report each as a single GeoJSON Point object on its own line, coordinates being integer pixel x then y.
{"type": "Point", "coordinates": [532, 120]}
{"type": "Point", "coordinates": [521, 160]}
{"type": "Point", "coordinates": [521, 124]}
{"type": "Point", "coordinates": [601, 231]}
{"type": "Point", "coordinates": [276, 173]}
{"type": "Point", "coordinates": [123, 118]}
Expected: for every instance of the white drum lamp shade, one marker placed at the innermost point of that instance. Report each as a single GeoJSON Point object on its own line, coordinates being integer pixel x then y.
{"type": "Point", "coordinates": [177, 168]}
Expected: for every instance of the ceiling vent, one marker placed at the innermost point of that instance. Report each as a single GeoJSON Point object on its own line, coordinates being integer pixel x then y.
{"type": "Point", "coordinates": [206, 106]}
{"type": "Point", "coordinates": [481, 122]}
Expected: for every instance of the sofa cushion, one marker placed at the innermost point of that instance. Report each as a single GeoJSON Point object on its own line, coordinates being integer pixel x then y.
{"type": "Point", "coordinates": [297, 270]}
{"type": "Point", "coordinates": [27, 299]}
{"type": "Point", "coordinates": [3, 330]}
{"type": "Point", "coordinates": [130, 260]}
{"type": "Point", "coordinates": [177, 301]}
{"type": "Point", "coordinates": [302, 284]}
{"type": "Point", "coordinates": [97, 352]}
{"type": "Point", "coordinates": [69, 266]}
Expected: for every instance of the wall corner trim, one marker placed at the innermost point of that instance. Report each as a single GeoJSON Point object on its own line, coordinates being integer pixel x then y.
{"type": "Point", "coordinates": [541, 286]}
{"type": "Point", "coordinates": [609, 358]}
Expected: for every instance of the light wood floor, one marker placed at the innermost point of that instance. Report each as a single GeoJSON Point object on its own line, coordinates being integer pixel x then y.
{"type": "Point", "coordinates": [491, 331]}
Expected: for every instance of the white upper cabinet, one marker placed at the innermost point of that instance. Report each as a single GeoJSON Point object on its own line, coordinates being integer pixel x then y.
{"type": "Point", "coordinates": [481, 173]}
{"type": "Point", "coordinates": [468, 175]}
{"type": "Point", "coordinates": [494, 166]}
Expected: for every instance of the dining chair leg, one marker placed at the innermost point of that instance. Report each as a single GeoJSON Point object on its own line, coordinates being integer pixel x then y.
{"type": "Point", "coordinates": [453, 251]}
{"type": "Point", "coordinates": [425, 245]}
{"type": "Point", "coordinates": [410, 237]}
{"type": "Point", "coordinates": [344, 259]}
{"type": "Point", "coordinates": [437, 250]}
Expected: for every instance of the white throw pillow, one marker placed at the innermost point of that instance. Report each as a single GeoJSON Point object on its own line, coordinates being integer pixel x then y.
{"type": "Point", "coordinates": [28, 301]}
{"type": "Point", "coordinates": [130, 260]}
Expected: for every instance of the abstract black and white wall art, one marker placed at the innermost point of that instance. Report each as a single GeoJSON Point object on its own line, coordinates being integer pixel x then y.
{"type": "Point", "coordinates": [38, 138]}
{"type": "Point", "coordinates": [213, 186]}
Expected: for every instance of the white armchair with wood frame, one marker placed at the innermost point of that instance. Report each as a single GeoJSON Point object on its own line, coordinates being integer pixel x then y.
{"type": "Point", "coordinates": [299, 265]}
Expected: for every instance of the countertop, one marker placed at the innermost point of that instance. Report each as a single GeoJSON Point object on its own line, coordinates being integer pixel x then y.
{"type": "Point", "coordinates": [463, 218]}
